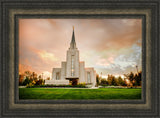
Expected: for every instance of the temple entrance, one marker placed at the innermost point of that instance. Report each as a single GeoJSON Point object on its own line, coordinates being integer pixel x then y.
{"type": "Point", "coordinates": [73, 81]}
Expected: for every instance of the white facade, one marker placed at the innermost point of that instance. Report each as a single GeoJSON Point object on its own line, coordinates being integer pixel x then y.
{"type": "Point", "coordinates": [72, 70]}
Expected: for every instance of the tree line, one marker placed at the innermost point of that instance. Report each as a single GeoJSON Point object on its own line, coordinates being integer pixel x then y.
{"type": "Point", "coordinates": [29, 78]}
{"type": "Point", "coordinates": [130, 79]}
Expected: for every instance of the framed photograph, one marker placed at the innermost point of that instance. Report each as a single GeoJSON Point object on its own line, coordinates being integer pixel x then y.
{"type": "Point", "coordinates": [79, 58]}
{"type": "Point", "coordinates": [113, 72]}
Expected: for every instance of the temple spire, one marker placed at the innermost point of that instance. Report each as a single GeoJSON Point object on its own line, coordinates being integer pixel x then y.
{"type": "Point", "coordinates": [73, 42]}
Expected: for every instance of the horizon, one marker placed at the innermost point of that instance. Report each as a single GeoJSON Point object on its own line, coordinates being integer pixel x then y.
{"type": "Point", "coordinates": [111, 46]}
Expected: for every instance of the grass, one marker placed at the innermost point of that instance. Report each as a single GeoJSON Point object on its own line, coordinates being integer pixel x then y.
{"type": "Point", "coordinates": [75, 94]}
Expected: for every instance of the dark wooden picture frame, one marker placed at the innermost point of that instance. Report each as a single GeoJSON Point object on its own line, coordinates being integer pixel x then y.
{"type": "Point", "coordinates": [12, 10]}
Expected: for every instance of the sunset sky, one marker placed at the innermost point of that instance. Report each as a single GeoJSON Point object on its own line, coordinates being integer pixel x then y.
{"type": "Point", "coordinates": [111, 46]}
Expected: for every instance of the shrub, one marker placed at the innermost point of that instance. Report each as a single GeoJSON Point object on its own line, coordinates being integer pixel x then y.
{"type": "Point", "coordinates": [51, 85]}
{"type": "Point", "coordinates": [83, 83]}
{"type": "Point", "coordinates": [30, 85]}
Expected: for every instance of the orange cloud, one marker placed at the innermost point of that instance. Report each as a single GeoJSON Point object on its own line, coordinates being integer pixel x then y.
{"type": "Point", "coordinates": [103, 62]}
{"type": "Point", "coordinates": [46, 56]}
{"type": "Point", "coordinates": [23, 68]}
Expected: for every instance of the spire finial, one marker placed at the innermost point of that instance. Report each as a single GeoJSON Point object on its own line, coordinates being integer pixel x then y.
{"type": "Point", "coordinates": [73, 27]}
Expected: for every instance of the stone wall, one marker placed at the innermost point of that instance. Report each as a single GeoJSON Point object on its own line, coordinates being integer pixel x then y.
{"type": "Point", "coordinates": [54, 71]}
{"type": "Point", "coordinates": [82, 73]}
{"type": "Point", "coordinates": [92, 75]}
{"type": "Point", "coordinates": [63, 70]}
{"type": "Point", "coordinates": [57, 82]}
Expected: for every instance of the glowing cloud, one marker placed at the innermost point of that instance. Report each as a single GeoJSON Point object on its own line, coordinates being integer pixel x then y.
{"type": "Point", "coordinates": [46, 56]}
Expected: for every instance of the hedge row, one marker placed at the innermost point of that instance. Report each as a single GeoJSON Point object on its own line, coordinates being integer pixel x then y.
{"type": "Point", "coordinates": [75, 86]}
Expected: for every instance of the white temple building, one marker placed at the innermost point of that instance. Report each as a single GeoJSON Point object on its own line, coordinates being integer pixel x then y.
{"type": "Point", "coordinates": [72, 71]}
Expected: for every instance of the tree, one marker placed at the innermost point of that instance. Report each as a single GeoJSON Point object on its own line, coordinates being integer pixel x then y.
{"type": "Point", "coordinates": [30, 78]}
{"type": "Point", "coordinates": [34, 76]}
{"type": "Point", "coordinates": [98, 79]}
{"type": "Point", "coordinates": [114, 81]}
{"type": "Point", "coordinates": [26, 81]}
{"type": "Point", "coordinates": [138, 79]}
{"type": "Point", "coordinates": [109, 79]}
{"type": "Point", "coordinates": [135, 79]}
{"type": "Point", "coordinates": [104, 82]}
{"type": "Point", "coordinates": [21, 78]}
{"type": "Point", "coordinates": [27, 74]}
{"type": "Point", "coordinates": [125, 82]}
{"type": "Point", "coordinates": [120, 81]}
{"type": "Point", "coordinates": [40, 82]}
{"type": "Point", "coordinates": [130, 77]}
{"type": "Point", "coordinates": [39, 77]}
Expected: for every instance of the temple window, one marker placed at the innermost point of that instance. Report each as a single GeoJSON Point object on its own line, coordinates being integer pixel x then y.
{"type": "Point", "coordinates": [57, 76]}
{"type": "Point", "coordinates": [72, 65]}
{"type": "Point", "coordinates": [88, 77]}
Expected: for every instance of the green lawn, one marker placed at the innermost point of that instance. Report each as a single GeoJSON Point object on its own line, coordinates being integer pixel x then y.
{"type": "Point", "coordinates": [64, 93]}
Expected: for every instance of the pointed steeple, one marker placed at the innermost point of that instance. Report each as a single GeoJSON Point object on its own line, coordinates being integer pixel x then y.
{"type": "Point", "coordinates": [73, 42]}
